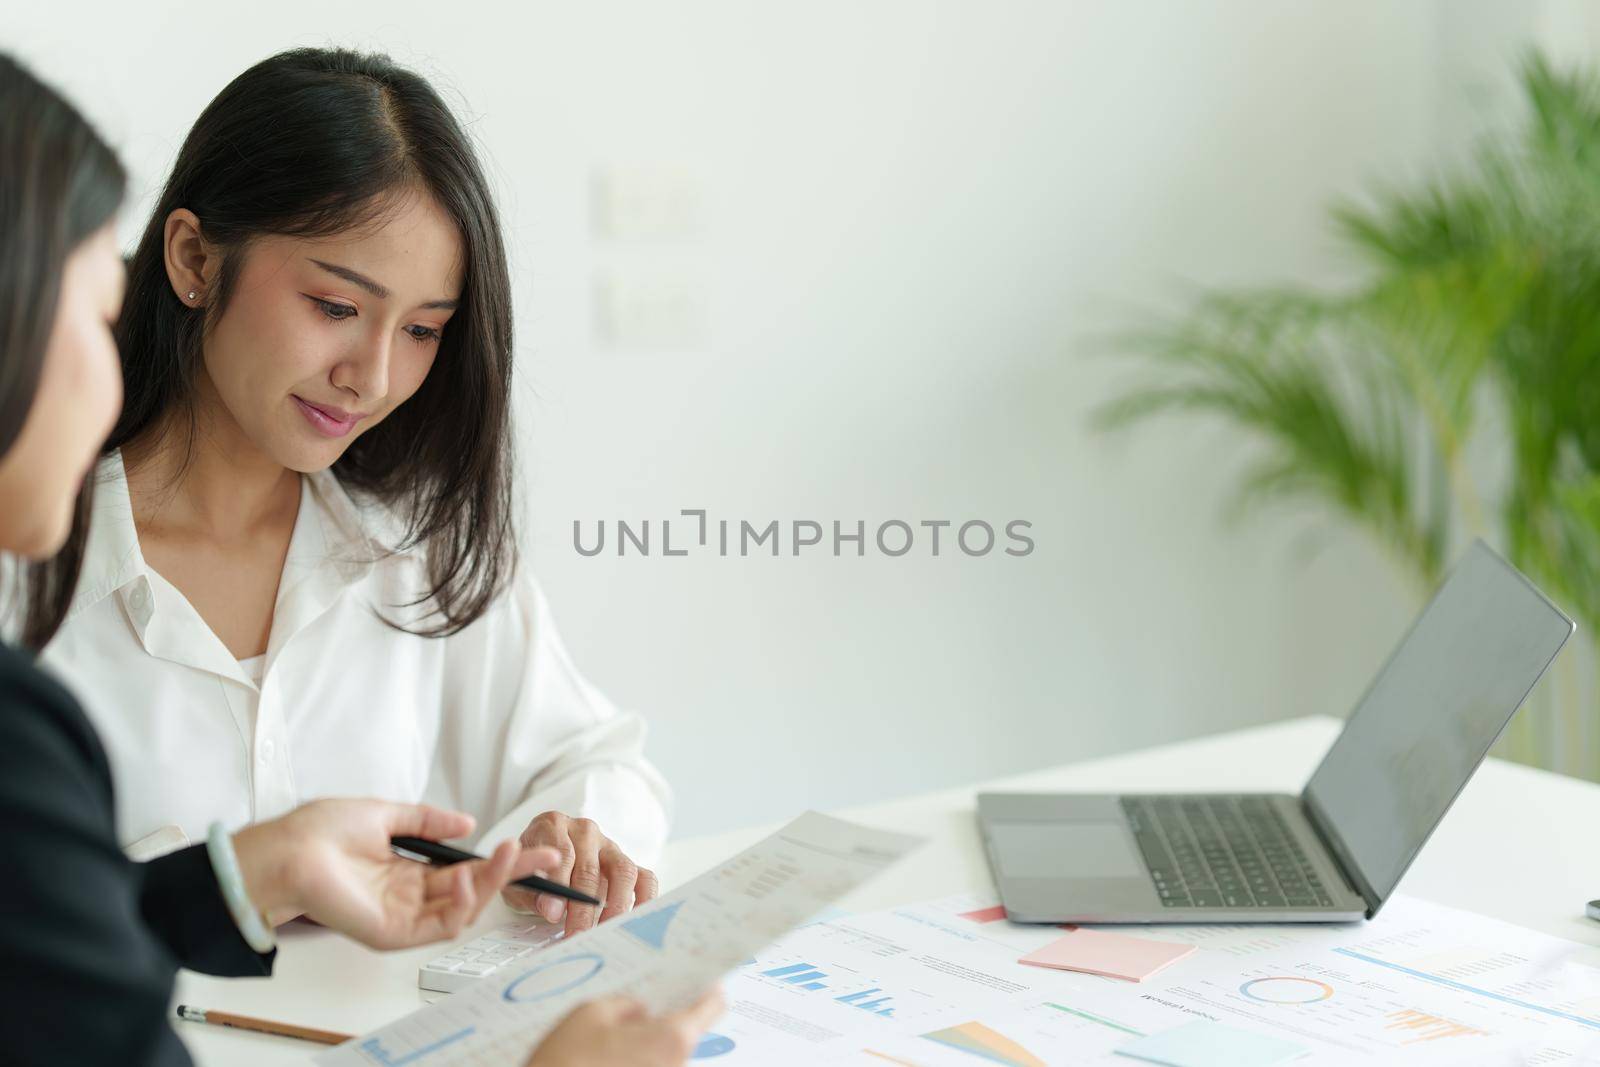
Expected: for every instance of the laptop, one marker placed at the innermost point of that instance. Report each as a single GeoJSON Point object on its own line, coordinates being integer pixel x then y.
{"type": "Point", "coordinates": [1332, 854]}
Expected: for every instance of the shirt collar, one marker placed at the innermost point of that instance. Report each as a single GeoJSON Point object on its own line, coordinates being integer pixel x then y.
{"type": "Point", "coordinates": [333, 531]}
{"type": "Point", "coordinates": [114, 565]}
{"type": "Point", "coordinates": [336, 543]}
{"type": "Point", "coordinates": [111, 556]}
{"type": "Point", "coordinates": [354, 530]}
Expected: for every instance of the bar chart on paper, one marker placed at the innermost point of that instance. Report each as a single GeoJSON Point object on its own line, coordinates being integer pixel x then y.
{"type": "Point", "coordinates": [1423, 986]}
{"type": "Point", "coordinates": [850, 992]}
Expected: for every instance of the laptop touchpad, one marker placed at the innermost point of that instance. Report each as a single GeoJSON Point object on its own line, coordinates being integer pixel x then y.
{"type": "Point", "coordinates": [1065, 850]}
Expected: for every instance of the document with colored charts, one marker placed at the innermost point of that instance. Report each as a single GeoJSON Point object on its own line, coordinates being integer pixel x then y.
{"type": "Point", "coordinates": [664, 954]}
{"type": "Point", "coordinates": [939, 985]}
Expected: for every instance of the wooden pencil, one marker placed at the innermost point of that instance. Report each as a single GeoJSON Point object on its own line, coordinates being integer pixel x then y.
{"type": "Point", "coordinates": [264, 1026]}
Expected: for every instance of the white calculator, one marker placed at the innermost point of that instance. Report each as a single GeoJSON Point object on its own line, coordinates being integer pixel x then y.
{"type": "Point", "coordinates": [483, 956]}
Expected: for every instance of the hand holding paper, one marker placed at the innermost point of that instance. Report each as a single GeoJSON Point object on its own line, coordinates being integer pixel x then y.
{"type": "Point", "coordinates": [663, 955]}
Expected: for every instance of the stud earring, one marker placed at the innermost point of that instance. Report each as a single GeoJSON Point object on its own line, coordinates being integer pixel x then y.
{"type": "Point", "coordinates": [191, 294]}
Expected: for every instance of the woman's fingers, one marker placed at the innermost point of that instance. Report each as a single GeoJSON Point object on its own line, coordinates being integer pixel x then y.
{"type": "Point", "coordinates": [702, 1013]}
{"type": "Point", "coordinates": [456, 895]}
{"type": "Point", "coordinates": [609, 1011]}
{"type": "Point", "coordinates": [542, 860]}
{"type": "Point", "coordinates": [649, 886]}
{"type": "Point", "coordinates": [438, 883]}
{"type": "Point", "coordinates": [622, 879]}
{"type": "Point", "coordinates": [463, 904]}
{"type": "Point", "coordinates": [587, 841]}
{"type": "Point", "coordinates": [444, 918]}
{"type": "Point", "coordinates": [448, 899]}
{"type": "Point", "coordinates": [617, 1031]}
{"type": "Point", "coordinates": [591, 864]}
{"type": "Point", "coordinates": [491, 875]}
{"type": "Point", "coordinates": [685, 1027]}
{"type": "Point", "coordinates": [550, 830]}
{"type": "Point", "coordinates": [424, 820]}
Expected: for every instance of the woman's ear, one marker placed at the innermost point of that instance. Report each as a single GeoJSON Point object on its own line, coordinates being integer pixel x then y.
{"type": "Point", "coordinates": [191, 260]}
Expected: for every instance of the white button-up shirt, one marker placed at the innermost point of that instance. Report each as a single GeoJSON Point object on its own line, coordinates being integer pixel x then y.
{"type": "Point", "coordinates": [494, 720]}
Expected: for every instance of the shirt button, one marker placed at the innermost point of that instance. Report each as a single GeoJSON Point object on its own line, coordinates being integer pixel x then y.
{"type": "Point", "coordinates": [267, 748]}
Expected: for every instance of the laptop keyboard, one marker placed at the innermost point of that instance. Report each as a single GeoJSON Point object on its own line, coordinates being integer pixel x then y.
{"type": "Point", "coordinates": [1222, 851]}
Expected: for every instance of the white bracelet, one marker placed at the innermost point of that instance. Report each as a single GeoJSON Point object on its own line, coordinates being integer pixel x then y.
{"type": "Point", "coordinates": [257, 934]}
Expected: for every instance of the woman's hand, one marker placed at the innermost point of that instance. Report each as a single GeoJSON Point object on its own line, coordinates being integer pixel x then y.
{"type": "Point", "coordinates": [590, 863]}
{"type": "Point", "coordinates": [617, 1032]}
{"type": "Point", "coordinates": [331, 861]}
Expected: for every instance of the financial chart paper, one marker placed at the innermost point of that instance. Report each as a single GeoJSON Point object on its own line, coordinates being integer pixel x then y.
{"type": "Point", "coordinates": [664, 954]}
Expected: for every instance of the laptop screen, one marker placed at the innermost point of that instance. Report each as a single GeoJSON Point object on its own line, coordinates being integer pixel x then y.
{"type": "Point", "coordinates": [1429, 717]}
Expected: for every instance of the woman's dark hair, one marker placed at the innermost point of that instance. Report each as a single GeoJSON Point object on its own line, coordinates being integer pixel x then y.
{"type": "Point", "coordinates": [59, 183]}
{"type": "Point", "coordinates": [310, 143]}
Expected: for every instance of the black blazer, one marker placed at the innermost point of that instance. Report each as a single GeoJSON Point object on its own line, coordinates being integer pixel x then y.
{"type": "Point", "coordinates": [90, 942]}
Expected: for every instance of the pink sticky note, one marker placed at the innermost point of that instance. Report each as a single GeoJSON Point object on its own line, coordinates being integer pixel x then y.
{"type": "Point", "coordinates": [1109, 955]}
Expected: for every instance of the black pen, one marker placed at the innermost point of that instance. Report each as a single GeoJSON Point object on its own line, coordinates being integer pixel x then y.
{"type": "Point", "coordinates": [444, 855]}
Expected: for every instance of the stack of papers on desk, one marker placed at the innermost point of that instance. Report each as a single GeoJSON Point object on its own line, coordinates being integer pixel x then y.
{"type": "Point", "coordinates": [941, 984]}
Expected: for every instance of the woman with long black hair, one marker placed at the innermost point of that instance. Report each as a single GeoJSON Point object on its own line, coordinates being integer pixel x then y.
{"type": "Point", "coordinates": [91, 940]}
{"type": "Point", "coordinates": [300, 574]}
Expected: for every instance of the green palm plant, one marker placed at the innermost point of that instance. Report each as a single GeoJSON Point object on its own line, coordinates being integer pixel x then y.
{"type": "Point", "coordinates": [1454, 391]}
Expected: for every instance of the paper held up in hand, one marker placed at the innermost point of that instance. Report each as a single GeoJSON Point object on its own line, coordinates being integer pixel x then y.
{"type": "Point", "coordinates": [664, 954]}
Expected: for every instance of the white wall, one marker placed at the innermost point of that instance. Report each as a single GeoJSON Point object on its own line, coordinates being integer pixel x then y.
{"type": "Point", "coordinates": [914, 219]}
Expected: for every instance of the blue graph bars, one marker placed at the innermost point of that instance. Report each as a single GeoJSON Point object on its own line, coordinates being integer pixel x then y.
{"type": "Point", "coordinates": [806, 976]}
{"type": "Point", "coordinates": [801, 974]}
{"type": "Point", "coordinates": [859, 1000]}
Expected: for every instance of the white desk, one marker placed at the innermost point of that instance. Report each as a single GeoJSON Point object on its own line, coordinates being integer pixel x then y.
{"type": "Point", "coordinates": [1518, 845]}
